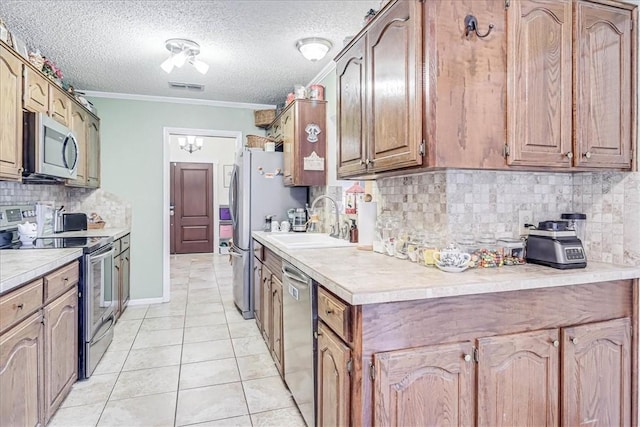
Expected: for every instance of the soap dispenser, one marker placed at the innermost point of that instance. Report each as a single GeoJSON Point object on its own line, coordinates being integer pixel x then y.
{"type": "Point", "coordinates": [353, 232]}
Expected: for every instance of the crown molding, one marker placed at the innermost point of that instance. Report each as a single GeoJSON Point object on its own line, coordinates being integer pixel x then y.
{"type": "Point", "coordinates": [174, 100]}
{"type": "Point", "coordinates": [329, 68]}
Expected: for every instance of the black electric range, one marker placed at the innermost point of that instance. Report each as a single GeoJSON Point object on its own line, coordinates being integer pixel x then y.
{"type": "Point", "coordinates": [87, 244]}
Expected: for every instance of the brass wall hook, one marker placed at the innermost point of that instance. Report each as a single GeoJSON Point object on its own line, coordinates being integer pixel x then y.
{"type": "Point", "coordinates": [471, 25]}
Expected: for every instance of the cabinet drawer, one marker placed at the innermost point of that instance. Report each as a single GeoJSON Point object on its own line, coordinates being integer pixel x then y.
{"type": "Point", "coordinates": [117, 247]}
{"type": "Point", "coordinates": [18, 304]}
{"type": "Point", "coordinates": [258, 250]}
{"type": "Point", "coordinates": [273, 262]}
{"type": "Point", "coordinates": [334, 313]}
{"type": "Point", "coordinates": [60, 280]}
{"type": "Point", "coordinates": [125, 242]}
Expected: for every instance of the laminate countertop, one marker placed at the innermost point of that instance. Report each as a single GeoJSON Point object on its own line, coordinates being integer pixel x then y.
{"type": "Point", "coordinates": [365, 277]}
{"type": "Point", "coordinates": [116, 233]}
{"type": "Point", "coordinates": [21, 267]}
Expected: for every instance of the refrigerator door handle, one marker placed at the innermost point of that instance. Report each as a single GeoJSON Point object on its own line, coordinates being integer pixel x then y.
{"type": "Point", "coordinates": [233, 253]}
{"type": "Point", "coordinates": [233, 193]}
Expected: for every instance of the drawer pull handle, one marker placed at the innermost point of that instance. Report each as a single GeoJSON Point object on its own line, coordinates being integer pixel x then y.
{"type": "Point", "coordinates": [556, 343]}
{"type": "Point", "coordinates": [20, 306]}
{"type": "Point", "coordinates": [329, 311]}
{"type": "Point", "coordinates": [66, 279]}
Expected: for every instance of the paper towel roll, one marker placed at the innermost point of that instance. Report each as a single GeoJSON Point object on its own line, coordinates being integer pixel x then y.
{"type": "Point", "coordinates": [367, 214]}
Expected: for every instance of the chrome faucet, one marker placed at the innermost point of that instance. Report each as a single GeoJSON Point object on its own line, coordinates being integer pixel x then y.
{"type": "Point", "coordinates": [335, 230]}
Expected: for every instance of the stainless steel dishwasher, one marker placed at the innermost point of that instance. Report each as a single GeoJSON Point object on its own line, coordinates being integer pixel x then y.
{"type": "Point", "coordinates": [299, 322]}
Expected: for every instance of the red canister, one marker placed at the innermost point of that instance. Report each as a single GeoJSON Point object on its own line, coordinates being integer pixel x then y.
{"type": "Point", "coordinates": [316, 92]}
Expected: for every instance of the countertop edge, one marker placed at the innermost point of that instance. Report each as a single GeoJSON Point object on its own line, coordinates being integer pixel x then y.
{"type": "Point", "coordinates": [115, 232]}
{"type": "Point", "coordinates": [11, 283]}
{"type": "Point", "coordinates": [547, 278]}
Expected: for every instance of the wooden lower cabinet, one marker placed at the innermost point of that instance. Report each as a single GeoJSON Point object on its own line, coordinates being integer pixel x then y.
{"type": "Point", "coordinates": [518, 379]}
{"type": "Point", "coordinates": [117, 273]}
{"type": "Point", "coordinates": [596, 374]}
{"type": "Point", "coordinates": [61, 354]}
{"type": "Point", "coordinates": [333, 379]}
{"type": "Point", "coordinates": [267, 313]}
{"type": "Point", "coordinates": [431, 385]}
{"type": "Point", "coordinates": [277, 344]}
{"type": "Point", "coordinates": [257, 292]}
{"type": "Point", "coordinates": [21, 373]}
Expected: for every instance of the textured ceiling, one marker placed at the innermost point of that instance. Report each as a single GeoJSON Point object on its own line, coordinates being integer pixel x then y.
{"type": "Point", "coordinates": [117, 46]}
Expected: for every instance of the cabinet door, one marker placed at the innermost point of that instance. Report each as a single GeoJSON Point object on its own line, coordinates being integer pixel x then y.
{"type": "Point", "coordinates": [21, 374]}
{"type": "Point", "coordinates": [125, 293]}
{"type": "Point", "coordinates": [539, 67]}
{"type": "Point", "coordinates": [79, 125]}
{"type": "Point", "coordinates": [61, 349]}
{"type": "Point", "coordinates": [603, 46]}
{"type": "Point", "coordinates": [334, 382]}
{"type": "Point", "coordinates": [257, 292]}
{"type": "Point", "coordinates": [36, 98]}
{"type": "Point", "coordinates": [60, 106]}
{"type": "Point", "coordinates": [287, 124]}
{"type": "Point", "coordinates": [350, 74]}
{"type": "Point", "coordinates": [518, 379]}
{"type": "Point", "coordinates": [596, 374]}
{"type": "Point", "coordinates": [423, 386]}
{"type": "Point", "coordinates": [277, 349]}
{"type": "Point", "coordinates": [117, 285]}
{"type": "Point", "coordinates": [266, 305]}
{"type": "Point", "coordinates": [93, 152]}
{"type": "Point", "coordinates": [10, 116]}
{"type": "Point", "coordinates": [394, 59]}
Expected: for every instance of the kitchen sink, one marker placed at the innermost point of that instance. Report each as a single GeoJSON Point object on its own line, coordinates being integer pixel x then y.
{"type": "Point", "coordinates": [308, 240]}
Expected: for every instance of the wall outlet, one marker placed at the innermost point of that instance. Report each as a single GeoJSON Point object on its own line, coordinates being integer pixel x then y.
{"type": "Point", "coordinates": [524, 217]}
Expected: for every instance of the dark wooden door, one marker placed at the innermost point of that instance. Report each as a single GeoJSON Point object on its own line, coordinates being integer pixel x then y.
{"type": "Point", "coordinates": [425, 386]}
{"type": "Point", "coordinates": [596, 374]}
{"type": "Point", "coordinates": [518, 379]}
{"type": "Point", "coordinates": [192, 198]}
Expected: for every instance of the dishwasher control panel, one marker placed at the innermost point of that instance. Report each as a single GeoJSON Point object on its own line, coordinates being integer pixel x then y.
{"type": "Point", "coordinates": [293, 291]}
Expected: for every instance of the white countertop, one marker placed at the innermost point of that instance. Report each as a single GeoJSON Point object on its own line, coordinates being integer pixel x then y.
{"type": "Point", "coordinates": [365, 277]}
{"type": "Point", "coordinates": [20, 267]}
{"type": "Point", "coordinates": [116, 233]}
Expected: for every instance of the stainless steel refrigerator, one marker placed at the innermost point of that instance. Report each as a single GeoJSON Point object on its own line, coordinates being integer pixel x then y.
{"type": "Point", "coordinates": [255, 191]}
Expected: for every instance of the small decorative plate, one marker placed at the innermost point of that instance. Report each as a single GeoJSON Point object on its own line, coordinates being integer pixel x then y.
{"type": "Point", "coordinates": [452, 269]}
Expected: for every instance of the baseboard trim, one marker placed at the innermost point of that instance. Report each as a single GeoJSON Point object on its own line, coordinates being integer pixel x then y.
{"type": "Point", "coordinates": [145, 301]}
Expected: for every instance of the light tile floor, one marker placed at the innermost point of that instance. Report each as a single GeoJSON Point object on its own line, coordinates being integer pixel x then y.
{"type": "Point", "coordinates": [192, 361]}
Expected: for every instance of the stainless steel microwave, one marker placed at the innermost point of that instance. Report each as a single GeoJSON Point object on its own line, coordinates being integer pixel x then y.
{"type": "Point", "coordinates": [50, 149]}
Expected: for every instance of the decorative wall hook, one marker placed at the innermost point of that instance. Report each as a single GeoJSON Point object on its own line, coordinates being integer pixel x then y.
{"type": "Point", "coordinates": [471, 25]}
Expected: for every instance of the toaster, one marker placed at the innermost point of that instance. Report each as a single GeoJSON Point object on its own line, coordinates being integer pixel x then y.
{"type": "Point", "coordinates": [74, 221]}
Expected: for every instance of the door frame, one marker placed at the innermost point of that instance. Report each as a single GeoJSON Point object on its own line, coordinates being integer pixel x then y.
{"type": "Point", "coordinates": [167, 133]}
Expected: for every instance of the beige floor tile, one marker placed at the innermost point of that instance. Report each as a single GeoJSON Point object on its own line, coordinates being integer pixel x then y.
{"type": "Point", "coordinates": [206, 333]}
{"type": "Point", "coordinates": [121, 343]}
{"type": "Point", "coordinates": [203, 284]}
{"type": "Point", "coordinates": [77, 416]}
{"type": "Point", "coordinates": [200, 309]}
{"type": "Point", "coordinates": [162, 323]}
{"type": "Point", "coordinates": [213, 298]}
{"type": "Point", "coordinates": [289, 417]}
{"type": "Point", "coordinates": [266, 394]}
{"type": "Point", "coordinates": [244, 329]}
{"type": "Point", "coordinates": [167, 309]}
{"type": "Point", "coordinates": [158, 338]}
{"type": "Point", "coordinates": [216, 402]}
{"type": "Point", "coordinates": [111, 362]}
{"type": "Point", "coordinates": [243, 421]}
{"type": "Point", "coordinates": [249, 346]}
{"type": "Point", "coordinates": [134, 312]}
{"type": "Point", "coordinates": [206, 319]}
{"type": "Point", "coordinates": [153, 357]}
{"type": "Point", "coordinates": [206, 350]}
{"type": "Point", "coordinates": [144, 411]}
{"type": "Point", "coordinates": [233, 315]}
{"type": "Point", "coordinates": [256, 366]}
{"type": "Point", "coordinates": [127, 327]}
{"type": "Point", "coordinates": [92, 391]}
{"type": "Point", "coordinates": [145, 382]}
{"type": "Point", "coordinates": [212, 372]}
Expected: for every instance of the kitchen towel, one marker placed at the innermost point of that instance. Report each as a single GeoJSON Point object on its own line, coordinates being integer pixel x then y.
{"type": "Point", "coordinates": [367, 214]}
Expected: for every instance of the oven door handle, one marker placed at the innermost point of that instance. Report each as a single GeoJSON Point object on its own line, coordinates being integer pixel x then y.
{"type": "Point", "coordinates": [101, 254]}
{"type": "Point", "coordinates": [111, 318]}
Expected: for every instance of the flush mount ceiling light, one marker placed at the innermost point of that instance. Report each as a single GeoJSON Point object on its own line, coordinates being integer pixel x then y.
{"type": "Point", "coordinates": [183, 50]}
{"type": "Point", "coordinates": [190, 143]}
{"type": "Point", "coordinates": [313, 48]}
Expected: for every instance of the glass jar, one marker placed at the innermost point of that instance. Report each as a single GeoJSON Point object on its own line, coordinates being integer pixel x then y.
{"type": "Point", "coordinates": [489, 254]}
{"type": "Point", "coordinates": [429, 246]}
{"type": "Point", "coordinates": [402, 243]}
{"type": "Point", "coordinates": [416, 240]}
{"type": "Point", "coordinates": [512, 250]}
{"type": "Point", "coordinates": [467, 243]}
{"type": "Point", "coordinates": [389, 235]}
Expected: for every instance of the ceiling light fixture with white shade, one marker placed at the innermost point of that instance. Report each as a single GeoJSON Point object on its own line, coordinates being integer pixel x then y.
{"type": "Point", "coordinates": [190, 143]}
{"type": "Point", "coordinates": [183, 50]}
{"type": "Point", "coordinates": [314, 48]}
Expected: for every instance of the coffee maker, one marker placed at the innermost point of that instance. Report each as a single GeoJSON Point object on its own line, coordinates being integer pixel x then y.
{"type": "Point", "coordinates": [555, 244]}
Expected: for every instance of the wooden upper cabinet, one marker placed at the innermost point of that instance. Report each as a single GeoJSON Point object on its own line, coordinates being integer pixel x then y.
{"type": "Point", "coordinates": [60, 105]}
{"type": "Point", "coordinates": [10, 116]}
{"type": "Point", "coordinates": [394, 88]}
{"type": "Point", "coordinates": [603, 86]}
{"type": "Point", "coordinates": [36, 86]}
{"type": "Point", "coordinates": [93, 152]}
{"type": "Point", "coordinates": [352, 142]}
{"type": "Point", "coordinates": [597, 374]}
{"type": "Point", "coordinates": [79, 124]}
{"type": "Point", "coordinates": [539, 76]}
{"type": "Point", "coordinates": [440, 378]}
{"type": "Point", "coordinates": [518, 379]}
{"type": "Point", "coordinates": [334, 383]}
{"type": "Point", "coordinates": [288, 135]}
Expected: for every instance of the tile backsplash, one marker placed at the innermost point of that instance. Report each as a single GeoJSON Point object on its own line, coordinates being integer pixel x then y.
{"type": "Point", "coordinates": [115, 211]}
